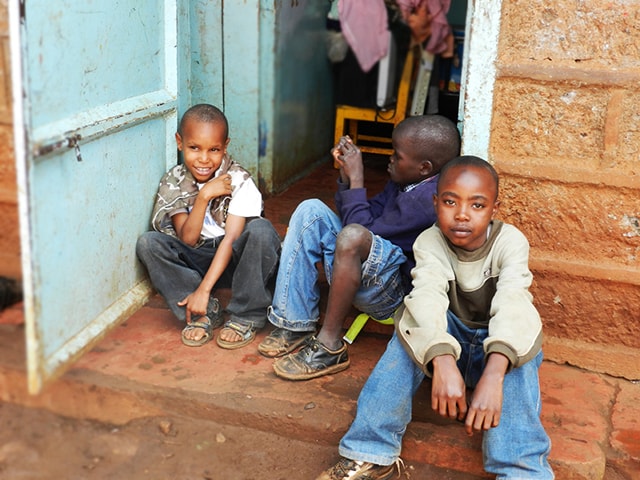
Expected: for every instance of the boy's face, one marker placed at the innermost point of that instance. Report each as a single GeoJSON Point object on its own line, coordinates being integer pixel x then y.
{"type": "Point", "coordinates": [465, 205]}
{"type": "Point", "coordinates": [403, 167]}
{"type": "Point", "coordinates": [203, 145]}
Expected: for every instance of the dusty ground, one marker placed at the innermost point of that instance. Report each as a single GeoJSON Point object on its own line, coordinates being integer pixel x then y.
{"type": "Point", "coordinates": [38, 445]}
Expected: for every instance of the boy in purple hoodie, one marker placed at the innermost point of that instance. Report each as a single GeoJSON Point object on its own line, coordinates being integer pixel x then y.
{"type": "Point", "coordinates": [366, 251]}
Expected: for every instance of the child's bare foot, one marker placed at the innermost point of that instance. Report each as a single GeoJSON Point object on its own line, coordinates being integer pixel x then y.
{"type": "Point", "coordinates": [198, 332]}
{"type": "Point", "coordinates": [235, 335]}
{"type": "Point", "coordinates": [195, 333]}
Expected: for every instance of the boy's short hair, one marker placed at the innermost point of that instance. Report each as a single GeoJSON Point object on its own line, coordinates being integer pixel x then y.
{"type": "Point", "coordinates": [470, 161]}
{"type": "Point", "coordinates": [204, 112]}
{"type": "Point", "coordinates": [435, 138]}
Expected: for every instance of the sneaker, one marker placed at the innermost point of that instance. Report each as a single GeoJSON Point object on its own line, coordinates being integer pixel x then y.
{"type": "Point", "coordinates": [282, 341]}
{"type": "Point", "coordinates": [347, 469]}
{"type": "Point", "coordinates": [313, 360]}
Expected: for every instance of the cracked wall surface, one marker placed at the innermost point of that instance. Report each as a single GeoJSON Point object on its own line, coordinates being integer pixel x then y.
{"type": "Point", "coordinates": [565, 137]}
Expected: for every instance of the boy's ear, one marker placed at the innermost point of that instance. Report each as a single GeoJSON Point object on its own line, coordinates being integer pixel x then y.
{"type": "Point", "coordinates": [179, 141]}
{"type": "Point", "coordinates": [426, 168]}
{"type": "Point", "coordinates": [496, 206]}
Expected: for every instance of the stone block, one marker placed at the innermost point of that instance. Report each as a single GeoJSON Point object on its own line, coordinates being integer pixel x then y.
{"type": "Point", "coordinates": [615, 360]}
{"type": "Point", "coordinates": [5, 82]}
{"type": "Point", "coordinates": [7, 165]}
{"type": "Point", "coordinates": [625, 157]}
{"type": "Point", "coordinates": [4, 17]}
{"type": "Point", "coordinates": [592, 34]}
{"type": "Point", "coordinates": [584, 223]}
{"type": "Point", "coordinates": [588, 310]}
{"type": "Point", "coordinates": [536, 123]}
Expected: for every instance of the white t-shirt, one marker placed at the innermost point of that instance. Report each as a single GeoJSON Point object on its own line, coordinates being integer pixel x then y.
{"type": "Point", "coordinates": [246, 201]}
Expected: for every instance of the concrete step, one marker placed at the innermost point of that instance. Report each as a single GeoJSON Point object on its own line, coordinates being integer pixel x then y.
{"type": "Point", "coordinates": [142, 369]}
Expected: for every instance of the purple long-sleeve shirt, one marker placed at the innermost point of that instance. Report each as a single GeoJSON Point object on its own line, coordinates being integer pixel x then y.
{"type": "Point", "coordinates": [394, 214]}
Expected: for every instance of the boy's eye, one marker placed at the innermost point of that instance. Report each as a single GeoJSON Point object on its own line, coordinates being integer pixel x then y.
{"type": "Point", "coordinates": [449, 202]}
{"type": "Point", "coordinates": [478, 205]}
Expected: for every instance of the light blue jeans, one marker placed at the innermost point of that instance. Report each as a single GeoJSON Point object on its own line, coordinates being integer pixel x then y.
{"type": "Point", "coordinates": [516, 449]}
{"type": "Point", "coordinates": [311, 238]}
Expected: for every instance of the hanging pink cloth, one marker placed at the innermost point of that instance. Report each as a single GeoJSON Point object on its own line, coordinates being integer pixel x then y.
{"type": "Point", "coordinates": [440, 37]}
{"type": "Point", "coordinates": [364, 26]}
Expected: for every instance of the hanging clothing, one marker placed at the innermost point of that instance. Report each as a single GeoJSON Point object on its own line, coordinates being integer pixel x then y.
{"type": "Point", "coordinates": [440, 38]}
{"type": "Point", "coordinates": [364, 25]}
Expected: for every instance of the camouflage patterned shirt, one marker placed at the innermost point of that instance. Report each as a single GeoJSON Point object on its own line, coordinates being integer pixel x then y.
{"type": "Point", "coordinates": [178, 190]}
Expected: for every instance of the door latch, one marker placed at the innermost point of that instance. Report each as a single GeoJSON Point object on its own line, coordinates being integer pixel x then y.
{"type": "Point", "coordinates": [72, 142]}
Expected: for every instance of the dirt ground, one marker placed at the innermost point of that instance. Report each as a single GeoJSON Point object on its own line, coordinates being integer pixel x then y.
{"type": "Point", "coordinates": [38, 445]}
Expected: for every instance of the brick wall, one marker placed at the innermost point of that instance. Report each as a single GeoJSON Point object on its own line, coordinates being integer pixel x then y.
{"type": "Point", "coordinates": [9, 229]}
{"type": "Point", "coordinates": [565, 136]}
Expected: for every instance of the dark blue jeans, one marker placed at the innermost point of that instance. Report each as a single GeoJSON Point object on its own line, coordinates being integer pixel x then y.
{"type": "Point", "coordinates": [176, 270]}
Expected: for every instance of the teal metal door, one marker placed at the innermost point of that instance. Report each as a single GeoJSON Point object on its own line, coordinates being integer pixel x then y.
{"type": "Point", "coordinates": [94, 133]}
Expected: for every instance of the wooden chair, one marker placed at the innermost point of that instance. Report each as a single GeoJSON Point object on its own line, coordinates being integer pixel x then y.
{"type": "Point", "coordinates": [352, 115]}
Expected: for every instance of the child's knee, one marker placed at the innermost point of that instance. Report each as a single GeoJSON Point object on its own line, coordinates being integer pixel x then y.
{"type": "Point", "coordinates": [145, 243]}
{"type": "Point", "coordinates": [353, 238]}
{"type": "Point", "coordinates": [153, 244]}
{"type": "Point", "coordinates": [309, 207]}
{"type": "Point", "coordinates": [262, 232]}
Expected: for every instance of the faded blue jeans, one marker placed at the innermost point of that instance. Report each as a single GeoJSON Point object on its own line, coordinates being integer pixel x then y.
{"type": "Point", "coordinates": [516, 449]}
{"type": "Point", "coordinates": [176, 270]}
{"type": "Point", "coordinates": [311, 238]}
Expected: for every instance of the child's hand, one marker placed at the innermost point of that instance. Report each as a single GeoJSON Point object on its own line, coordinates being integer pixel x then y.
{"type": "Point", "coordinates": [448, 389]}
{"type": "Point", "coordinates": [486, 403]}
{"type": "Point", "coordinates": [338, 151]}
{"type": "Point", "coordinates": [349, 157]}
{"type": "Point", "coordinates": [195, 304]}
{"type": "Point", "coordinates": [217, 187]}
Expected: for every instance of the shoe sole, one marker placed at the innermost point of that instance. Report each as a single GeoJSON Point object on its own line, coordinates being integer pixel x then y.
{"type": "Point", "coordinates": [319, 373]}
{"type": "Point", "coordinates": [278, 353]}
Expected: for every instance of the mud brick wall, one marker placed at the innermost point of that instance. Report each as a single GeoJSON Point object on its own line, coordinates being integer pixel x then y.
{"type": "Point", "coordinates": [9, 228]}
{"type": "Point", "coordinates": [565, 137]}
